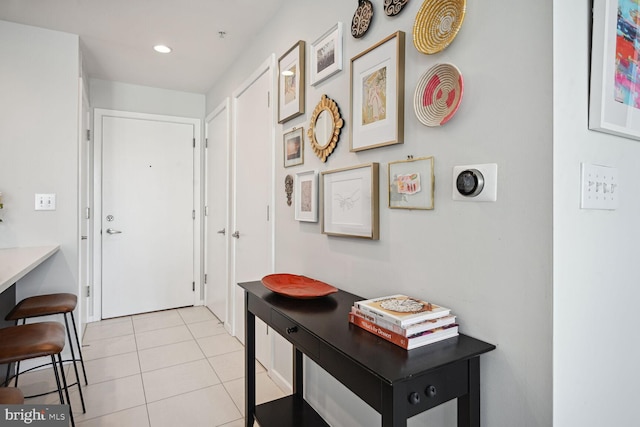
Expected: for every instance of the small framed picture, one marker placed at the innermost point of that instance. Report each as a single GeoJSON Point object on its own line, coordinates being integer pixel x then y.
{"type": "Point", "coordinates": [350, 199]}
{"type": "Point", "coordinates": [293, 147]}
{"type": "Point", "coordinates": [326, 55]}
{"type": "Point", "coordinates": [377, 94]}
{"type": "Point", "coordinates": [291, 83]}
{"type": "Point", "coordinates": [411, 184]}
{"type": "Point", "coordinates": [306, 196]}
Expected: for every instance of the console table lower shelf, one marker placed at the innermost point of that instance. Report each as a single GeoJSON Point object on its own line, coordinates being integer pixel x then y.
{"type": "Point", "coordinates": [395, 382]}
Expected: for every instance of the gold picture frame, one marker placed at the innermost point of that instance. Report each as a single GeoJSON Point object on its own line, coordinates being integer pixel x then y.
{"type": "Point", "coordinates": [293, 147]}
{"type": "Point", "coordinates": [291, 82]}
{"type": "Point", "coordinates": [350, 202]}
{"type": "Point", "coordinates": [377, 94]}
{"type": "Point", "coordinates": [411, 183]}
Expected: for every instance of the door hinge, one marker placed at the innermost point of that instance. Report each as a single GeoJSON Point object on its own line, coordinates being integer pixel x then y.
{"type": "Point", "coordinates": [205, 279]}
{"type": "Point", "coordinates": [88, 134]}
{"type": "Point", "coordinates": [87, 213]}
{"type": "Point", "coordinates": [194, 143]}
{"type": "Point", "coordinates": [193, 286]}
{"type": "Point", "coordinates": [267, 212]}
{"type": "Point", "coordinates": [193, 214]}
{"type": "Point", "coordinates": [206, 211]}
{"type": "Point", "coordinates": [88, 291]}
{"type": "Point", "coordinates": [268, 99]}
{"type": "Point", "coordinates": [206, 143]}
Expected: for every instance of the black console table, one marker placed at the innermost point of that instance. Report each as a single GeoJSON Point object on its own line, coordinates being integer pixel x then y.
{"type": "Point", "coordinates": [395, 382]}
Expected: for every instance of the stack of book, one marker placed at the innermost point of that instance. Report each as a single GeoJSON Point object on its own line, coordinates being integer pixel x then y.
{"type": "Point", "coordinates": [404, 321]}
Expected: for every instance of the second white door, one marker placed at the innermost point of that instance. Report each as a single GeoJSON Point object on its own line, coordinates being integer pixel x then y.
{"type": "Point", "coordinates": [147, 215]}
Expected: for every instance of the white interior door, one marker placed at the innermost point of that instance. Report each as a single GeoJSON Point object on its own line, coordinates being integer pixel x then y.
{"type": "Point", "coordinates": [252, 245]}
{"type": "Point", "coordinates": [85, 159]}
{"type": "Point", "coordinates": [147, 215]}
{"type": "Point", "coordinates": [217, 287]}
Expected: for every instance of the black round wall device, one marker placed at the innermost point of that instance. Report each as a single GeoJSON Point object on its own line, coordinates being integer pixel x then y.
{"type": "Point", "coordinates": [470, 182]}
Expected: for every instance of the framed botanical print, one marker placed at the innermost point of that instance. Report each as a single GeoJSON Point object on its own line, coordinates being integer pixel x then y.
{"type": "Point", "coordinates": [291, 83]}
{"type": "Point", "coordinates": [377, 94]}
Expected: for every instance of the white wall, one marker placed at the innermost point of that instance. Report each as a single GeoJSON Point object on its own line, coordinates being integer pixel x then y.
{"type": "Point", "coordinates": [144, 99]}
{"type": "Point", "coordinates": [39, 149]}
{"type": "Point", "coordinates": [596, 277]}
{"type": "Point", "coordinates": [490, 262]}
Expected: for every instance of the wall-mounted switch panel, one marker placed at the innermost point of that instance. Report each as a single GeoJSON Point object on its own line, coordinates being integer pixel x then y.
{"type": "Point", "coordinates": [599, 187]}
{"type": "Point", "coordinates": [45, 202]}
{"type": "Point", "coordinates": [486, 174]}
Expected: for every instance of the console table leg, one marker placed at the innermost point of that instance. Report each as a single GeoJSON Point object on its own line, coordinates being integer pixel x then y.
{"type": "Point", "coordinates": [298, 373]}
{"type": "Point", "coordinates": [394, 412]}
{"type": "Point", "coordinates": [249, 365]}
{"type": "Point", "coordinates": [469, 404]}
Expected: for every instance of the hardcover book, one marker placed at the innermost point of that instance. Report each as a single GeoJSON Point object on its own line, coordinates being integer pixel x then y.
{"type": "Point", "coordinates": [402, 310]}
{"type": "Point", "coordinates": [409, 329]}
{"type": "Point", "coordinates": [424, 338]}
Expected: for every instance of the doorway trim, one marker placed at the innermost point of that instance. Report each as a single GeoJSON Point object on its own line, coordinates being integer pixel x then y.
{"type": "Point", "coordinates": [98, 115]}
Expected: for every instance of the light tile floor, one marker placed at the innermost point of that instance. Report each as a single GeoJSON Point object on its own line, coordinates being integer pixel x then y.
{"type": "Point", "coordinates": [170, 368]}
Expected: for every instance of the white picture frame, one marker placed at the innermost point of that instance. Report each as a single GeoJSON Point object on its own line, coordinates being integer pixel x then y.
{"type": "Point", "coordinates": [611, 102]}
{"type": "Point", "coordinates": [306, 196]}
{"type": "Point", "coordinates": [350, 201]}
{"type": "Point", "coordinates": [326, 55]}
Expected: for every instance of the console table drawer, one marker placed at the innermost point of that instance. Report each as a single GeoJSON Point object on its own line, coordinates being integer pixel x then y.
{"type": "Point", "coordinates": [430, 390]}
{"type": "Point", "coordinates": [297, 335]}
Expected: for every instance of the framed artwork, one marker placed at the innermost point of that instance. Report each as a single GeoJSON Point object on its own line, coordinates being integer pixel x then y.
{"type": "Point", "coordinates": [377, 94]}
{"type": "Point", "coordinates": [350, 202]}
{"type": "Point", "coordinates": [326, 55]}
{"type": "Point", "coordinates": [615, 89]}
{"type": "Point", "coordinates": [306, 196]}
{"type": "Point", "coordinates": [411, 183]}
{"type": "Point", "coordinates": [293, 147]}
{"type": "Point", "coordinates": [291, 83]}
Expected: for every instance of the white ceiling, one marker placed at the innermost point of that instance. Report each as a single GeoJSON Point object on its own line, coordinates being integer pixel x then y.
{"type": "Point", "coordinates": [117, 36]}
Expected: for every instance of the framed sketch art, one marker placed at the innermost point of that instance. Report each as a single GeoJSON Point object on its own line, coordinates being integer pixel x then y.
{"type": "Point", "coordinates": [293, 147]}
{"type": "Point", "coordinates": [411, 183]}
{"type": "Point", "coordinates": [615, 87]}
{"type": "Point", "coordinates": [377, 94]}
{"type": "Point", "coordinates": [291, 83]}
{"type": "Point", "coordinates": [350, 199]}
{"type": "Point", "coordinates": [306, 196]}
{"type": "Point", "coordinates": [326, 55]}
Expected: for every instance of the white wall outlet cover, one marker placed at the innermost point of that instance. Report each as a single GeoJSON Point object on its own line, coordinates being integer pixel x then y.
{"type": "Point", "coordinates": [598, 187]}
{"type": "Point", "coordinates": [475, 183]}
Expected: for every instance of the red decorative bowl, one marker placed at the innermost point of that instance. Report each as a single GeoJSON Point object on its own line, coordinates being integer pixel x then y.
{"type": "Point", "coordinates": [294, 286]}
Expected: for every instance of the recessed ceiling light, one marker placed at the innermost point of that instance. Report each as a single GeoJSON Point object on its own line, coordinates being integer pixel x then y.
{"type": "Point", "coordinates": [162, 48]}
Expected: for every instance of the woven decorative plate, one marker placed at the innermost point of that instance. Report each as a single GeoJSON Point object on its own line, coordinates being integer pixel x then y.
{"type": "Point", "coordinates": [394, 7]}
{"type": "Point", "coordinates": [437, 24]}
{"type": "Point", "coordinates": [438, 94]}
{"type": "Point", "coordinates": [362, 18]}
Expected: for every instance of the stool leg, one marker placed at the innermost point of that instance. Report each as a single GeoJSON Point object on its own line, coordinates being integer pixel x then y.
{"type": "Point", "coordinates": [6, 380]}
{"type": "Point", "coordinates": [75, 330]}
{"type": "Point", "coordinates": [66, 388]}
{"type": "Point", "coordinates": [75, 365]}
{"type": "Point", "coordinates": [55, 372]}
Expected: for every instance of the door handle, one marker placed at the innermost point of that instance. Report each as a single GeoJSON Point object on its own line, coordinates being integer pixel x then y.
{"type": "Point", "coordinates": [112, 231]}
{"type": "Point", "coordinates": [223, 231]}
{"type": "Point", "coordinates": [236, 235]}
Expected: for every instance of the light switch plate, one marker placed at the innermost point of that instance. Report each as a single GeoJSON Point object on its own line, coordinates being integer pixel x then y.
{"type": "Point", "coordinates": [45, 202]}
{"type": "Point", "coordinates": [489, 192]}
{"type": "Point", "coordinates": [599, 187]}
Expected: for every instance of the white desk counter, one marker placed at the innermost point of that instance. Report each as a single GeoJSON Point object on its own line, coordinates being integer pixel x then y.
{"type": "Point", "coordinates": [15, 263]}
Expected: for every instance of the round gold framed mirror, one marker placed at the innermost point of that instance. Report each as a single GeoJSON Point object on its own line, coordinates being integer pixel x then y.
{"type": "Point", "coordinates": [324, 127]}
